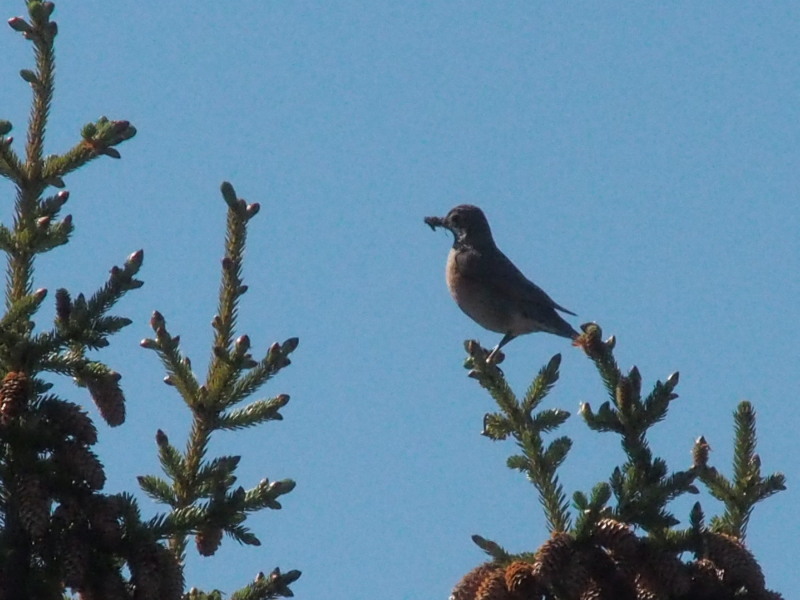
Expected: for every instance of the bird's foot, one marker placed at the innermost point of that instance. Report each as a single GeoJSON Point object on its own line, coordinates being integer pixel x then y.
{"type": "Point", "coordinates": [495, 357]}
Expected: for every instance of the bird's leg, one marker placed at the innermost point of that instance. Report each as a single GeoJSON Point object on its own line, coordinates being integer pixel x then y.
{"type": "Point", "coordinates": [506, 338]}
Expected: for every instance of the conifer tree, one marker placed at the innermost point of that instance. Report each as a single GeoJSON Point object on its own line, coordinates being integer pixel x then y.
{"type": "Point", "coordinates": [59, 532]}
{"type": "Point", "coordinates": [621, 541]}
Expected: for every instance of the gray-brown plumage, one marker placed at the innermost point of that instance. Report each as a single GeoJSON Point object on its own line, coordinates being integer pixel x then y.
{"type": "Point", "coordinates": [489, 288]}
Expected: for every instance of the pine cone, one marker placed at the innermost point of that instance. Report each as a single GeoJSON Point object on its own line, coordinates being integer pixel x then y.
{"type": "Point", "coordinates": [208, 540]}
{"type": "Point", "coordinates": [467, 588]}
{"type": "Point", "coordinates": [593, 592]}
{"type": "Point", "coordinates": [739, 567]}
{"type": "Point", "coordinates": [108, 397]}
{"type": "Point", "coordinates": [552, 558]}
{"type": "Point", "coordinates": [493, 587]}
{"type": "Point", "coordinates": [104, 520]}
{"type": "Point", "coordinates": [70, 514]}
{"type": "Point", "coordinates": [108, 586]}
{"type": "Point", "coordinates": [664, 574]}
{"type": "Point", "coordinates": [574, 580]}
{"type": "Point", "coordinates": [34, 506]}
{"type": "Point", "coordinates": [77, 460]}
{"type": "Point", "coordinates": [521, 581]}
{"type": "Point", "coordinates": [69, 419]}
{"type": "Point", "coordinates": [612, 580]}
{"type": "Point", "coordinates": [706, 580]}
{"type": "Point", "coordinates": [618, 538]}
{"type": "Point", "coordinates": [75, 562]}
{"type": "Point", "coordinates": [171, 586]}
{"type": "Point", "coordinates": [14, 391]}
{"type": "Point", "coordinates": [145, 576]}
{"type": "Point", "coordinates": [645, 592]}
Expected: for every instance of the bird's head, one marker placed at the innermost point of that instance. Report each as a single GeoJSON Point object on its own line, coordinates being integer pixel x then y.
{"type": "Point", "coordinates": [467, 222]}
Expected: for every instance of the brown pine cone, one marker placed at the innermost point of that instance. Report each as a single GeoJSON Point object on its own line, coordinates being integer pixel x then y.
{"type": "Point", "coordinates": [521, 581]}
{"type": "Point", "coordinates": [493, 587]}
{"type": "Point", "coordinates": [14, 391]}
{"type": "Point", "coordinates": [34, 505]}
{"type": "Point", "coordinates": [208, 540]}
{"type": "Point", "coordinates": [553, 557]}
{"type": "Point", "coordinates": [467, 588]}
{"type": "Point", "coordinates": [739, 567]}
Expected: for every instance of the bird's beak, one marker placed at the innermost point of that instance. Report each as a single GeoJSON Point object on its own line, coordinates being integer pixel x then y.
{"type": "Point", "coordinates": [434, 222]}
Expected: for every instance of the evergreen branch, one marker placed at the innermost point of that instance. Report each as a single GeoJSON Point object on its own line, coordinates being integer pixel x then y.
{"type": "Point", "coordinates": [19, 269]}
{"type": "Point", "coordinates": [657, 403]}
{"type": "Point", "coordinates": [275, 585]}
{"type": "Point", "coordinates": [22, 310]}
{"type": "Point", "coordinates": [42, 32]}
{"type": "Point", "coordinates": [171, 460]}
{"type": "Point", "coordinates": [745, 468]}
{"type": "Point", "coordinates": [7, 241]}
{"type": "Point", "coordinates": [541, 385]}
{"type": "Point", "coordinates": [549, 420]}
{"type": "Point", "coordinates": [178, 367]}
{"type": "Point", "coordinates": [99, 139]}
{"type": "Point", "coordinates": [68, 363]}
{"type": "Point", "coordinates": [747, 488]}
{"type": "Point", "coordinates": [604, 420]}
{"type": "Point", "coordinates": [556, 452]}
{"type": "Point", "coordinates": [179, 522]}
{"type": "Point", "coordinates": [265, 495]}
{"type": "Point", "coordinates": [51, 206]}
{"type": "Point", "coordinates": [496, 427]}
{"type": "Point", "coordinates": [120, 281]}
{"type": "Point", "coordinates": [539, 464]}
{"type": "Point", "coordinates": [601, 353]}
{"type": "Point", "coordinates": [10, 165]}
{"type": "Point", "coordinates": [216, 475]}
{"type": "Point", "coordinates": [50, 235]}
{"type": "Point", "coordinates": [82, 324]}
{"type": "Point", "coordinates": [493, 549]}
{"type": "Point", "coordinates": [231, 288]}
{"type": "Point", "coordinates": [158, 489]}
{"type": "Point", "coordinates": [490, 377]}
{"type": "Point", "coordinates": [590, 510]}
{"type": "Point", "coordinates": [255, 413]}
{"type": "Point", "coordinates": [276, 359]}
{"type": "Point", "coordinates": [643, 486]}
{"type": "Point", "coordinates": [201, 492]}
{"type": "Point", "coordinates": [243, 535]}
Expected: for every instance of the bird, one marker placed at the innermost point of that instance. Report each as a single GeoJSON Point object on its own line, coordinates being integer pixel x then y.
{"type": "Point", "coordinates": [489, 288]}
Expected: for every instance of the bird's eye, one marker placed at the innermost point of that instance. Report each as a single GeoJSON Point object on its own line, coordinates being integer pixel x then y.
{"type": "Point", "coordinates": [455, 219]}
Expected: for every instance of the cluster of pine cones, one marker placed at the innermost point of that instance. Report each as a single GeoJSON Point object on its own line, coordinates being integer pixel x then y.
{"type": "Point", "coordinates": [615, 564]}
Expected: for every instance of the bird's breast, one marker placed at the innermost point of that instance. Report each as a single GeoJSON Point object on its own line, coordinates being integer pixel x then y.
{"type": "Point", "coordinates": [477, 299]}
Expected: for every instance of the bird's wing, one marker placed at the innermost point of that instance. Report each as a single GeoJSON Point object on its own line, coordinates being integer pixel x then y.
{"type": "Point", "coordinates": [496, 270]}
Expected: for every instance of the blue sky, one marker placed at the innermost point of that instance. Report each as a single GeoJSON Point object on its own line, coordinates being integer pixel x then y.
{"type": "Point", "coordinates": [640, 163]}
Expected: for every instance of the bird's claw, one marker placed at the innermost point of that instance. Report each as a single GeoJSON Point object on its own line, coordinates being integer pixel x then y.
{"type": "Point", "coordinates": [495, 357]}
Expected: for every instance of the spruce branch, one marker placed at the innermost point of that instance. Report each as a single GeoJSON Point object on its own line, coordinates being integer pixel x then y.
{"type": "Point", "coordinates": [537, 461]}
{"type": "Point", "coordinates": [748, 486]}
{"type": "Point", "coordinates": [601, 556]}
{"type": "Point", "coordinates": [267, 587]}
{"type": "Point", "coordinates": [41, 31]}
{"type": "Point", "coordinates": [11, 167]}
{"type": "Point", "coordinates": [643, 486]}
{"type": "Point", "coordinates": [199, 490]}
{"type": "Point", "coordinates": [493, 549]}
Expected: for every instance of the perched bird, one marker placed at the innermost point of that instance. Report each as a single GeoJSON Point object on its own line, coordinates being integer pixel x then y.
{"type": "Point", "coordinates": [489, 288]}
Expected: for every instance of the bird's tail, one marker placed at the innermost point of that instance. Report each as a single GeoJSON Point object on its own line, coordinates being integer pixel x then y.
{"type": "Point", "coordinates": [564, 329]}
